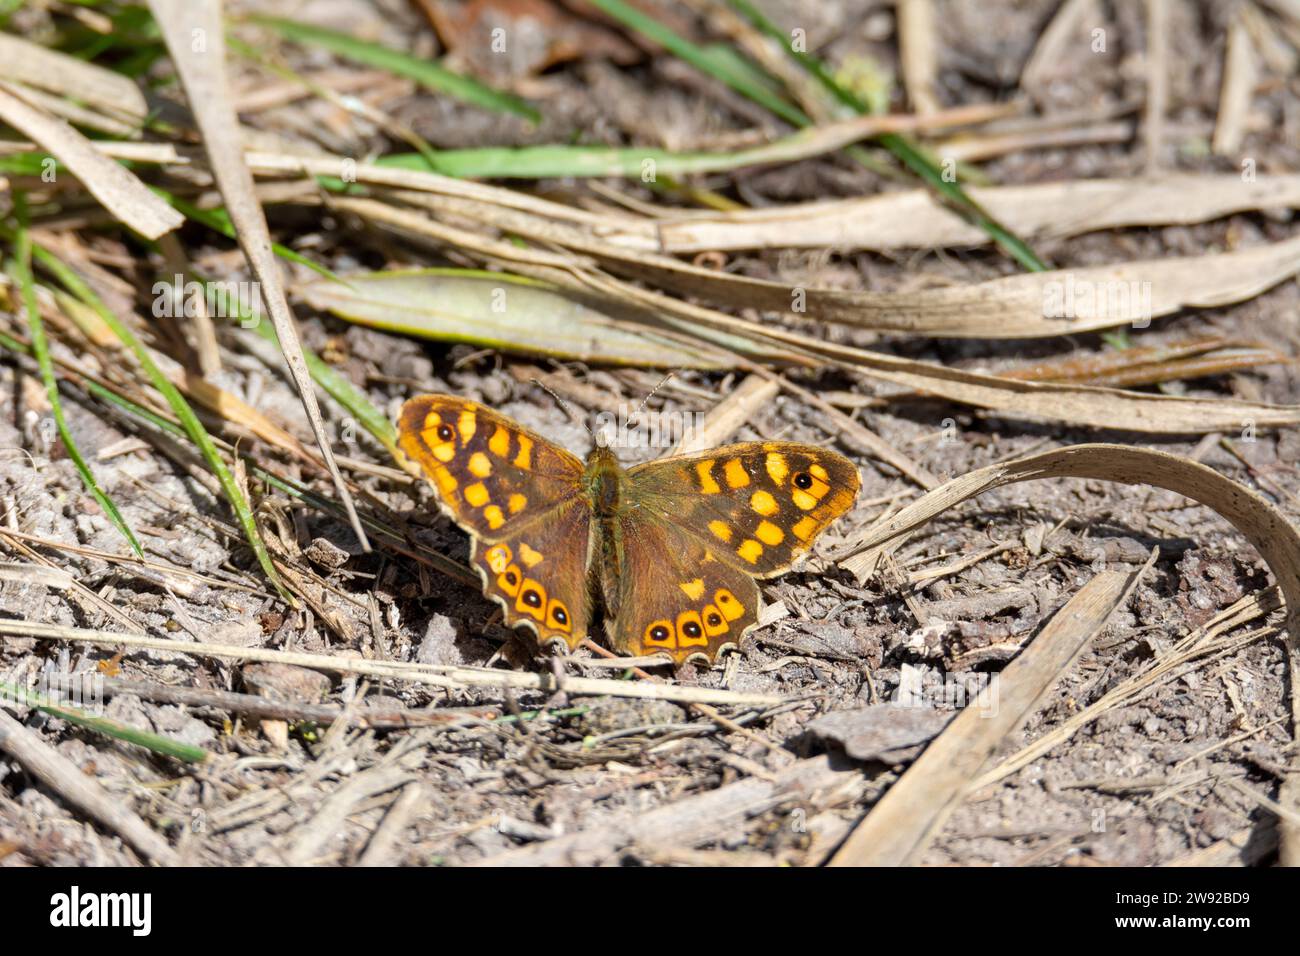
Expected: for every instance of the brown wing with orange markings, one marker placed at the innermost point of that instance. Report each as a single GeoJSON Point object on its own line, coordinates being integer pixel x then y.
{"type": "Point", "coordinates": [757, 505]}
{"type": "Point", "coordinates": [519, 497]}
{"type": "Point", "coordinates": [698, 529]}
{"type": "Point", "coordinates": [490, 473]}
{"type": "Point", "coordinates": [676, 596]}
{"type": "Point", "coordinates": [538, 574]}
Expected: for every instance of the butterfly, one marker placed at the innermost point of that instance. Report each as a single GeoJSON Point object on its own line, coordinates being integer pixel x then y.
{"type": "Point", "coordinates": [668, 550]}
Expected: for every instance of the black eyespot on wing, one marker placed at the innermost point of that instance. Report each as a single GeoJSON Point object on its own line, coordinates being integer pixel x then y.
{"type": "Point", "coordinates": [659, 632]}
{"type": "Point", "coordinates": [803, 480]}
{"type": "Point", "coordinates": [714, 620]}
{"type": "Point", "coordinates": [445, 432]}
{"type": "Point", "coordinates": [691, 629]}
{"type": "Point", "coordinates": [560, 615]}
{"type": "Point", "coordinates": [532, 598]}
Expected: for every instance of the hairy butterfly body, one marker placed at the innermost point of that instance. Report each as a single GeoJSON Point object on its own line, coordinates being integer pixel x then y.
{"type": "Point", "coordinates": [670, 549]}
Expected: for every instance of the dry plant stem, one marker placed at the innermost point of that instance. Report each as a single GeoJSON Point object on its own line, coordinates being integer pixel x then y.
{"type": "Point", "coordinates": [186, 24]}
{"type": "Point", "coordinates": [1240, 72]}
{"type": "Point", "coordinates": [900, 827]}
{"type": "Point", "coordinates": [1044, 63]}
{"type": "Point", "coordinates": [899, 220]}
{"type": "Point", "coordinates": [1262, 524]}
{"type": "Point", "coordinates": [382, 848]}
{"type": "Point", "coordinates": [263, 708]}
{"type": "Point", "coordinates": [435, 675]}
{"type": "Point", "coordinates": [690, 821]}
{"type": "Point", "coordinates": [66, 779]}
{"type": "Point", "coordinates": [916, 40]}
{"type": "Point", "coordinates": [1157, 80]}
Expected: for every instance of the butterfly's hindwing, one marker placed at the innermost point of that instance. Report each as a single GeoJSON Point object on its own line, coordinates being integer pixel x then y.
{"type": "Point", "coordinates": [538, 574]}
{"type": "Point", "coordinates": [491, 474]}
{"type": "Point", "coordinates": [675, 596]}
{"type": "Point", "coordinates": [758, 505]}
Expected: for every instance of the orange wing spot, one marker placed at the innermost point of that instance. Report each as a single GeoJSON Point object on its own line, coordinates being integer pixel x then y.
{"type": "Point", "coordinates": [728, 605]}
{"type": "Point", "coordinates": [479, 465]}
{"type": "Point", "coordinates": [714, 622]}
{"type": "Point", "coordinates": [524, 459]}
{"type": "Point", "coordinates": [818, 471]}
{"type": "Point", "coordinates": [693, 589]}
{"type": "Point", "coordinates": [530, 557]}
{"type": "Point", "coordinates": [764, 503]}
{"type": "Point", "coordinates": [777, 467]}
{"type": "Point", "coordinates": [690, 630]}
{"type": "Point", "coordinates": [704, 470]}
{"type": "Point", "coordinates": [509, 580]}
{"type": "Point", "coordinates": [498, 557]}
{"type": "Point", "coordinates": [476, 495]}
{"type": "Point", "coordinates": [721, 530]}
{"type": "Point", "coordinates": [558, 617]}
{"type": "Point", "coordinates": [805, 527]}
{"type": "Point", "coordinates": [531, 600]}
{"type": "Point", "coordinates": [444, 451]}
{"type": "Point", "coordinates": [495, 518]}
{"type": "Point", "coordinates": [803, 501]}
{"type": "Point", "coordinates": [736, 475]}
{"type": "Point", "coordinates": [432, 421]}
{"type": "Point", "coordinates": [444, 479]}
{"type": "Point", "coordinates": [517, 503]}
{"type": "Point", "coordinates": [769, 533]}
{"type": "Point", "coordinates": [499, 443]}
{"type": "Point", "coordinates": [467, 424]}
{"type": "Point", "coordinates": [659, 634]}
{"type": "Point", "coordinates": [750, 550]}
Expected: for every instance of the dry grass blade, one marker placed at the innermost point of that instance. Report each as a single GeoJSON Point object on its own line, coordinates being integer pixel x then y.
{"type": "Point", "coordinates": [436, 675]}
{"type": "Point", "coordinates": [1263, 525]}
{"type": "Point", "coordinates": [1041, 304]}
{"type": "Point", "coordinates": [116, 189]}
{"type": "Point", "coordinates": [74, 78]}
{"type": "Point", "coordinates": [194, 34]}
{"type": "Point", "coordinates": [913, 220]}
{"type": "Point", "coordinates": [900, 827]}
{"type": "Point", "coordinates": [1240, 72]}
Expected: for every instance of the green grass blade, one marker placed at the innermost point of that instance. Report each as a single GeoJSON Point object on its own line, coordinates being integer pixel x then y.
{"type": "Point", "coordinates": [20, 267]}
{"type": "Point", "coordinates": [906, 151]}
{"type": "Point", "coordinates": [424, 72]}
{"type": "Point", "coordinates": [740, 79]}
{"type": "Point", "coordinates": [109, 728]}
{"type": "Point", "coordinates": [184, 413]}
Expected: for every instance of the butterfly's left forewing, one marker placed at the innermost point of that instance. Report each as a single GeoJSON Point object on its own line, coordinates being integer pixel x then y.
{"type": "Point", "coordinates": [518, 495]}
{"type": "Point", "coordinates": [698, 529]}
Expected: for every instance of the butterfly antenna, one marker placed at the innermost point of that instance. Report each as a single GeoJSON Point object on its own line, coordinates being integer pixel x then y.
{"type": "Point", "coordinates": [568, 409]}
{"type": "Point", "coordinates": [646, 400]}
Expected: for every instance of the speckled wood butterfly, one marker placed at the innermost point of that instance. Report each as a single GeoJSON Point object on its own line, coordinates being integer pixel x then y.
{"type": "Point", "coordinates": [669, 549]}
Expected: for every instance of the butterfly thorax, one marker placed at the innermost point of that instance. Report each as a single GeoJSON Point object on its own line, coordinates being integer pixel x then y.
{"type": "Point", "coordinates": [603, 479]}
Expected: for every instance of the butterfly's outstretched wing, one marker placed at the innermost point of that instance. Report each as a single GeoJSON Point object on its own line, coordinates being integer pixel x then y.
{"type": "Point", "coordinates": [715, 522]}
{"type": "Point", "coordinates": [518, 495]}
{"type": "Point", "coordinates": [674, 595]}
